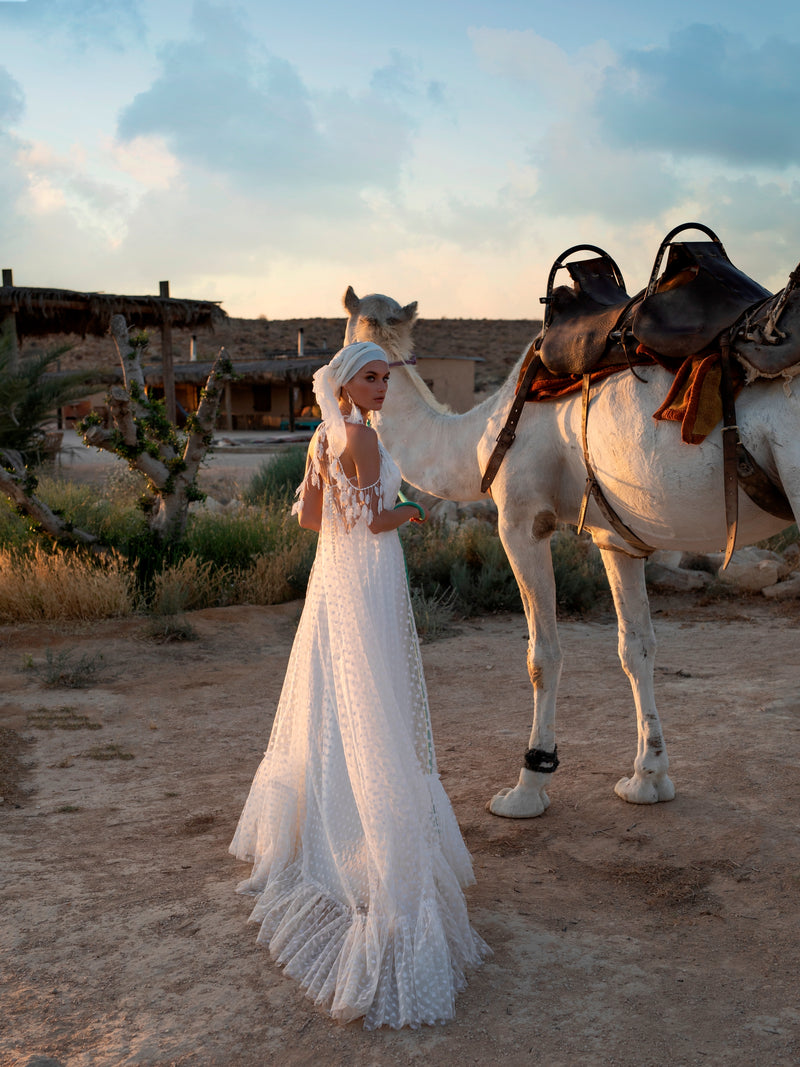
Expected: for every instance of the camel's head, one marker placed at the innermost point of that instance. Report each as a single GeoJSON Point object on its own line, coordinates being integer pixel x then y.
{"type": "Point", "coordinates": [380, 319]}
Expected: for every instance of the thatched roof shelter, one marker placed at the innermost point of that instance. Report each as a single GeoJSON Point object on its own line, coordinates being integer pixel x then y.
{"type": "Point", "coordinates": [39, 312]}
{"type": "Point", "coordinates": [262, 371]}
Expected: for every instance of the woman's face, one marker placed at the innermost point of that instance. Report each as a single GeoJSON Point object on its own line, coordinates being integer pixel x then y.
{"type": "Point", "coordinates": [367, 388]}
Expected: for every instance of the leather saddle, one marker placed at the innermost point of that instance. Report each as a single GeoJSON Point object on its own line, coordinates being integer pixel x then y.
{"type": "Point", "coordinates": [700, 294]}
{"type": "Point", "coordinates": [579, 321]}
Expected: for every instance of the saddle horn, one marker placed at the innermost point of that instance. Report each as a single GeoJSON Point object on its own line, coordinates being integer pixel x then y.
{"type": "Point", "coordinates": [651, 285]}
{"type": "Point", "coordinates": [559, 264]}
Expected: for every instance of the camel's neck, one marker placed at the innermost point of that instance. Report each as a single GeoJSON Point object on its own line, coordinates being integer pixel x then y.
{"type": "Point", "coordinates": [436, 452]}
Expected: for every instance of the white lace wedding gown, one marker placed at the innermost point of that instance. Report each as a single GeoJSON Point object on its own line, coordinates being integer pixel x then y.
{"type": "Point", "coordinates": [358, 860]}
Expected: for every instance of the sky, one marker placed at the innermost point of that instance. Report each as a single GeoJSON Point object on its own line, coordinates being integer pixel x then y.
{"type": "Point", "coordinates": [269, 154]}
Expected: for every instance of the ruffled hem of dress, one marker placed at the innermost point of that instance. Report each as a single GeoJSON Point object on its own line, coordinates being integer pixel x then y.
{"type": "Point", "coordinates": [356, 963]}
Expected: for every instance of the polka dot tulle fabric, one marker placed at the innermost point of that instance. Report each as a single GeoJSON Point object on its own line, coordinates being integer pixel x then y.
{"type": "Point", "coordinates": [358, 861]}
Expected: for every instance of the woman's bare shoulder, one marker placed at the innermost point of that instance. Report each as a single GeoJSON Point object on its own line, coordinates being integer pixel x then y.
{"type": "Point", "coordinates": [361, 438]}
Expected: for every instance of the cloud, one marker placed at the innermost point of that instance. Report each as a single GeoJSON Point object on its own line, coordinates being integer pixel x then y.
{"type": "Point", "coordinates": [758, 221]}
{"type": "Point", "coordinates": [707, 94]}
{"type": "Point", "coordinates": [581, 175]}
{"type": "Point", "coordinates": [12, 100]}
{"type": "Point", "coordinates": [55, 183]}
{"type": "Point", "coordinates": [230, 108]}
{"type": "Point", "coordinates": [104, 23]}
{"type": "Point", "coordinates": [554, 76]}
{"type": "Point", "coordinates": [578, 173]}
{"type": "Point", "coordinates": [12, 185]}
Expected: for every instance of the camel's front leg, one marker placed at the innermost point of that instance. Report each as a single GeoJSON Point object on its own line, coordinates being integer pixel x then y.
{"type": "Point", "coordinates": [637, 644]}
{"type": "Point", "coordinates": [533, 569]}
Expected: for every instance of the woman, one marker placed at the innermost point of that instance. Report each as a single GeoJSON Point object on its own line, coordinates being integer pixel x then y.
{"type": "Point", "coordinates": [358, 860]}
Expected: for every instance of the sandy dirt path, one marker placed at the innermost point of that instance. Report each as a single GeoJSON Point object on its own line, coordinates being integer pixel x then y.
{"type": "Point", "coordinates": [622, 935]}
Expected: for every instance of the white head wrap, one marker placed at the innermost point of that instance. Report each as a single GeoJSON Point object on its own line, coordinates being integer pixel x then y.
{"type": "Point", "coordinates": [329, 380]}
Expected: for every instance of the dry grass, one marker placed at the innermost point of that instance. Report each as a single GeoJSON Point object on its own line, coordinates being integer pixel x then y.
{"type": "Point", "coordinates": [39, 584]}
{"type": "Point", "coordinates": [190, 585]}
{"type": "Point", "coordinates": [64, 718]}
{"type": "Point", "coordinates": [273, 579]}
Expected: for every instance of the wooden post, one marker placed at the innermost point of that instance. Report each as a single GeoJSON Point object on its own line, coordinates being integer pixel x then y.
{"type": "Point", "coordinates": [8, 326]}
{"type": "Point", "coordinates": [228, 407]}
{"type": "Point", "coordinates": [290, 380]}
{"type": "Point", "coordinates": [166, 359]}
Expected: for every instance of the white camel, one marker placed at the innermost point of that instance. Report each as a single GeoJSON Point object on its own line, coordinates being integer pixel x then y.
{"type": "Point", "coordinates": [668, 492]}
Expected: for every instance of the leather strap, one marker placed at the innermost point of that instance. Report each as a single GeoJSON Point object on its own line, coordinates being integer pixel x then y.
{"type": "Point", "coordinates": [730, 443]}
{"type": "Point", "coordinates": [505, 439]}
{"type": "Point", "coordinates": [761, 489]}
{"type": "Point", "coordinates": [593, 489]}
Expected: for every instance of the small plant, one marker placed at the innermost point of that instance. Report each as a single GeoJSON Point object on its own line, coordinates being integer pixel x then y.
{"type": "Point", "coordinates": [781, 541]}
{"type": "Point", "coordinates": [64, 671]}
{"type": "Point", "coordinates": [276, 481]}
{"type": "Point", "coordinates": [167, 628]}
{"type": "Point", "coordinates": [107, 752]}
{"type": "Point", "coordinates": [433, 615]}
{"type": "Point", "coordinates": [64, 718]}
{"type": "Point", "coordinates": [188, 586]}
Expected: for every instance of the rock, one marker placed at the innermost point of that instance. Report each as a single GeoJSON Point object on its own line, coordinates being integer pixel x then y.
{"type": "Point", "coordinates": [444, 511]}
{"type": "Point", "coordinates": [209, 506]}
{"type": "Point", "coordinates": [790, 561]}
{"type": "Point", "coordinates": [749, 575]}
{"type": "Point", "coordinates": [479, 509]}
{"type": "Point", "coordinates": [667, 559]}
{"type": "Point", "coordinates": [787, 590]}
{"type": "Point", "coordinates": [696, 561]}
{"type": "Point", "coordinates": [673, 579]}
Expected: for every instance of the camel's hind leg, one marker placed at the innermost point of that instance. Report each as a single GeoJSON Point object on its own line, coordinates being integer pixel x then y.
{"type": "Point", "coordinates": [637, 644]}
{"type": "Point", "coordinates": [533, 569]}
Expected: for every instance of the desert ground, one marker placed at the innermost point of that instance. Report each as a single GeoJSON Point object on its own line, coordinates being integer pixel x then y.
{"type": "Point", "coordinates": [622, 935]}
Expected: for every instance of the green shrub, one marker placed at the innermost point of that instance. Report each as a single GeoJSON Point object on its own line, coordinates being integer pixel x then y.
{"type": "Point", "coordinates": [231, 539]}
{"type": "Point", "coordinates": [15, 529]}
{"type": "Point", "coordinates": [62, 670]}
{"type": "Point", "coordinates": [111, 514]}
{"type": "Point", "coordinates": [467, 559]}
{"type": "Point", "coordinates": [781, 541]}
{"type": "Point", "coordinates": [581, 582]}
{"type": "Point", "coordinates": [470, 560]}
{"type": "Point", "coordinates": [276, 481]}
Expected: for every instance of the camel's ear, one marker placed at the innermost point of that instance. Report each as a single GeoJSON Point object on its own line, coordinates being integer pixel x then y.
{"type": "Point", "coordinates": [351, 301]}
{"type": "Point", "coordinates": [409, 312]}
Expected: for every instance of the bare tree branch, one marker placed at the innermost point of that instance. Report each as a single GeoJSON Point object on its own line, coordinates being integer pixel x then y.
{"type": "Point", "coordinates": [15, 483]}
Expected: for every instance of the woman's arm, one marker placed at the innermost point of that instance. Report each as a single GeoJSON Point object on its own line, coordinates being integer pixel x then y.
{"type": "Point", "coordinates": [390, 520]}
{"type": "Point", "coordinates": [362, 444]}
{"type": "Point", "coordinates": [309, 513]}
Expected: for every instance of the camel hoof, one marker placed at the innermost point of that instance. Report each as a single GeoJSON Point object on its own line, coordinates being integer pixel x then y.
{"type": "Point", "coordinates": [645, 790]}
{"type": "Point", "coordinates": [519, 803]}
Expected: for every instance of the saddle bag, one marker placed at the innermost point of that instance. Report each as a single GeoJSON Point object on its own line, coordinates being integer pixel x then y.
{"type": "Point", "coordinates": [700, 294]}
{"type": "Point", "coordinates": [768, 338]}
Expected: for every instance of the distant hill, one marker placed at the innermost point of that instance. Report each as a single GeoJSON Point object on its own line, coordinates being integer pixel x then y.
{"type": "Point", "coordinates": [498, 342]}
